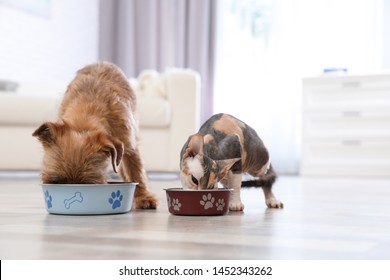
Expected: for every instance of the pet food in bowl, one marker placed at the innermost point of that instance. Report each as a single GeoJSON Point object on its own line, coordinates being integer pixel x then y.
{"type": "Point", "coordinates": [88, 199]}
{"type": "Point", "coordinates": [198, 202]}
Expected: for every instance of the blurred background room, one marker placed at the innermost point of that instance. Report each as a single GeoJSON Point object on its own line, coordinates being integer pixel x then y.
{"type": "Point", "coordinates": [311, 77]}
{"type": "Point", "coordinates": [250, 59]}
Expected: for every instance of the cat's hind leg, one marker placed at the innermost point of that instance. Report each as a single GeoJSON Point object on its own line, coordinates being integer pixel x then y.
{"type": "Point", "coordinates": [267, 181]}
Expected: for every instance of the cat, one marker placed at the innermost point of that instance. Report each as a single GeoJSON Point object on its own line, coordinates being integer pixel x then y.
{"type": "Point", "coordinates": [222, 151]}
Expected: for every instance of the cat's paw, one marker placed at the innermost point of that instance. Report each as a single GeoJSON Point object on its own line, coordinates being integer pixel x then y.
{"type": "Point", "coordinates": [273, 203]}
{"type": "Point", "coordinates": [236, 206]}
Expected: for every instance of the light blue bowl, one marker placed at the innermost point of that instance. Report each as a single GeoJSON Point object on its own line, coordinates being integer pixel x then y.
{"type": "Point", "coordinates": [88, 199]}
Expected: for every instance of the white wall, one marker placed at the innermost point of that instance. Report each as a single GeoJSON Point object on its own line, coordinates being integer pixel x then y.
{"type": "Point", "coordinates": [386, 34]}
{"type": "Point", "coordinates": [37, 48]}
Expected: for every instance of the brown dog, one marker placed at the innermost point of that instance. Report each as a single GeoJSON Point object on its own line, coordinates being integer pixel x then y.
{"type": "Point", "coordinates": [97, 126]}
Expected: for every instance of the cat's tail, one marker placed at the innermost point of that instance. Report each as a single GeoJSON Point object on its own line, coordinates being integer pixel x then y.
{"type": "Point", "coordinates": [267, 180]}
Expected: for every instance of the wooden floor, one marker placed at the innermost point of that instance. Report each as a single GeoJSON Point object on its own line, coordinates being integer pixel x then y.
{"type": "Point", "coordinates": [323, 219]}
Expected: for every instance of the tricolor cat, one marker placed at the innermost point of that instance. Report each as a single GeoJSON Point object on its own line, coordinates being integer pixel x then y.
{"type": "Point", "coordinates": [222, 151]}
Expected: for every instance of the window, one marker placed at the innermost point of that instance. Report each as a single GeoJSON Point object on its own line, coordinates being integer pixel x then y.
{"type": "Point", "coordinates": [266, 47]}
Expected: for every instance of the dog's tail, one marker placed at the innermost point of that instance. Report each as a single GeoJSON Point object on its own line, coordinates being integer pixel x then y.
{"type": "Point", "coordinates": [267, 180]}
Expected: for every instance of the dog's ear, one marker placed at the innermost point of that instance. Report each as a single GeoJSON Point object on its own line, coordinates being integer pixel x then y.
{"type": "Point", "coordinates": [47, 132]}
{"type": "Point", "coordinates": [194, 146]}
{"type": "Point", "coordinates": [114, 147]}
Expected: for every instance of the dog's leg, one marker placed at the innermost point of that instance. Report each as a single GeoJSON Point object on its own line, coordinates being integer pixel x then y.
{"type": "Point", "coordinates": [234, 182]}
{"type": "Point", "coordinates": [132, 169]}
{"type": "Point", "coordinates": [267, 181]}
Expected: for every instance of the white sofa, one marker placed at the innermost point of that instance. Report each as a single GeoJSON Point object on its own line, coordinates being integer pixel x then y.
{"type": "Point", "coordinates": [168, 105]}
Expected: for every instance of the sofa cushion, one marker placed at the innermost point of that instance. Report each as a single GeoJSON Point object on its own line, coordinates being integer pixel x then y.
{"type": "Point", "coordinates": [153, 106]}
{"type": "Point", "coordinates": [154, 112]}
{"type": "Point", "coordinates": [150, 84]}
{"type": "Point", "coordinates": [22, 110]}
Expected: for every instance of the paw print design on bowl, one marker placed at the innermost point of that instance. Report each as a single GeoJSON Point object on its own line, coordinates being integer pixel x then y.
{"type": "Point", "coordinates": [207, 201]}
{"type": "Point", "coordinates": [198, 202]}
{"type": "Point", "coordinates": [115, 199]}
{"type": "Point", "coordinates": [173, 203]}
{"type": "Point", "coordinates": [169, 201]}
{"type": "Point", "coordinates": [220, 204]}
{"type": "Point", "coordinates": [176, 204]}
{"type": "Point", "coordinates": [48, 200]}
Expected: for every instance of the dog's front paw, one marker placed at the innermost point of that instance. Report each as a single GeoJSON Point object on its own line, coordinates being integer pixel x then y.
{"type": "Point", "coordinates": [147, 201]}
{"type": "Point", "coordinates": [236, 206]}
{"type": "Point", "coordinates": [273, 203]}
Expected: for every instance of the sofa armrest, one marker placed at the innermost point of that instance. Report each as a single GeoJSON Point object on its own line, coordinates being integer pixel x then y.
{"type": "Point", "coordinates": [183, 87]}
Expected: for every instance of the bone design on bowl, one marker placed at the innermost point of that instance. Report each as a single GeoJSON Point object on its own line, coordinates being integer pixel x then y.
{"type": "Point", "coordinates": [89, 199]}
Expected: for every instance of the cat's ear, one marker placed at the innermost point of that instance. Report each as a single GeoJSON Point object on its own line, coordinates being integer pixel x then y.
{"type": "Point", "coordinates": [225, 165]}
{"type": "Point", "coordinates": [195, 146]}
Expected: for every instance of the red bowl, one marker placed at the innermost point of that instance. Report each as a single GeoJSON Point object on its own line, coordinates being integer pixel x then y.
{"type": "Point", "coordinates": [198, 202]}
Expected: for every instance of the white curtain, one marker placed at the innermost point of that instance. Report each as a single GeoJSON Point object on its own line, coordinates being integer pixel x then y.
{"type": "Point", "coordinates": [265, 48]}
{"type": "Point", "coordinates": [156, 34]}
